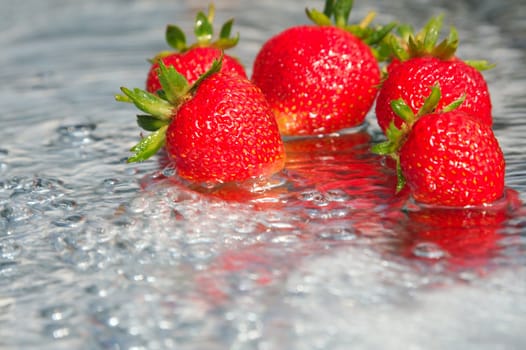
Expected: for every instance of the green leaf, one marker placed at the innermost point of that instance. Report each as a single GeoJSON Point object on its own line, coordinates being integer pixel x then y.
{"type": "Point", "coordinates": [203, 29]}
{"type": "Point", "coordinates": [318, 17]}
{"type": "Point", "coordinates": [328, 8]}
{"type": "Point", "coordinates": [211, 13]}
{"type": "Point", "coordinates": [341, 11]}
{"type": "Point", "coordinates": [432, 32]}
{"type": "Point", "coordinates": [393, 133]}
{"type": "Point", "coordinates": [148, 145]}
{"type": "Point", "coordinates": [227, 43]}
{"type": "Point", "coordinates": [226, 29]}
{"type": "Point", "coordinates": [431, 102]}
{"type": "Point", "coordinates": [402, 110]}
{"type": "Point", "coordinates": [396, 48]}
{"type": "Point", "coordinates": [405, 30]}
{"type": "Point", "coordinates": [378, 35]}
{"type": "Point", "coordinates": [175, 37]}
{"type": "Point", "coordinates": [123, 98]}
{"type": "Point", "coordinates": [393, 143]}
{"type": "Point", "coordinates": [452, 38]}
{"type": "Point", "coordinates": [383, 148]}
{"type": "Point", "coordinates": [214, 68]}
{"type": "Point", "coordinates": [413, 46]}
{"type": "Point", "coordinates": [147, 102]}
{"type": "Point", "coordinates": [455, 104]}
{"type": "Point", "coordinates": [149, 123]}
{"type": "Point", "coordinates": [445, 50]}
{"type": "Point", "coordinates": [174, 84]}
{"type": "Point", "coordinates": [480, 65]}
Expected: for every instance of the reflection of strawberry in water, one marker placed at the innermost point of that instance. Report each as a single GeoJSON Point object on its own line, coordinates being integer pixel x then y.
{"type": "Point", "coordinates": [340, 164]}
{"type": "Point", "coordinates": [251, 266]}
{"type": "Point", "coordinates": [464, 237]}
{"type": "Point", "coordinates": [337, 167]}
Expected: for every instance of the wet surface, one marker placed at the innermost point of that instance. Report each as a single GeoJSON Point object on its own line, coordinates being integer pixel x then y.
{"type": "Point", "coordinates": [99, 254]}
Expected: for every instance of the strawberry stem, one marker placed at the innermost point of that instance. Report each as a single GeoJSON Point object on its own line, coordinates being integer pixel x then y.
{"type": "Point", "coordinates": [204, 33]}
{"type": "Point", "coordinates": [400, 178]}
{"type": "Point", "coordinates": [337, 12]}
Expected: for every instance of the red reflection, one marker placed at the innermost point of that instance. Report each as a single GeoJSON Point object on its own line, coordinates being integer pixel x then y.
{"type": "Point", "coordinates": [463, 237]}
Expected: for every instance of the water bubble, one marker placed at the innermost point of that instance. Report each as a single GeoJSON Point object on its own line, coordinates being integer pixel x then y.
{"type": "Point", "coordinates": [337, 234]}
{"type": "Point", "coordinates": [58, 331]}
{"type": "Point", "coordinates": [57, 312]}
{"type": "Point", "coordinates": [336, 196]}
{"type": "Point", "coordinates": [429, 250]}
{"type": "Point", "coordinates": [169, 171]}
{"type": "Point", "coordinates": [311, 196]}
{"type": "Point", "coordinates": [77, 134]}
{"type": "Point", "coordinates": [9, 250]}
{"type": "Point", "coordinates": [70, 221]}
{"type": "Point", "coordinates": [64, 204]}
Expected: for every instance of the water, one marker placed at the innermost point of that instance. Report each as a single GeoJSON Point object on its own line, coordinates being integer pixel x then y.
{"type": "Point", "coordinates": [99, 254]}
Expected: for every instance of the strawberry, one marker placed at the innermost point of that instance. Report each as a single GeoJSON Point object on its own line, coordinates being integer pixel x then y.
{"type": "Point", "coordinates": [447, 158]}
{"type": "Point", "coordinates": [194, 60]}
{"type": "Point", "coordinates": [322, 78]}
{"type": "Point", "coordinates": [420, 63]}
{"type": "Point", "coordinates": [207, 134]}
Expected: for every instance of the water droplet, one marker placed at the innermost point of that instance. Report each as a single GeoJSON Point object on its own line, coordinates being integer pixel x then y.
{"type": "Point", "coordinates": [429, 250]}
{"type": "Point", "coordinates": [57, 331]}
{"type": "Point", "coordinates": [57, 312]}
{"type": "Point", "coordinates": [110, 183]}
{"type": "Point", "coordinates": [338, 234]}
{"type": "Point", "coordinates": [336, 196]}
{"type": "Point", "coordinates": [77, 134]}
{"type": "Point", "coordinates": [78, 130]}
{"type": "Point", "coordinates": [168, 171]}
{"type": "Point", "coordinates": [311, 196]}
{"type": "Point", "coordinates": [70, 221]}
{"type": "Point", "coordinates": [9, 250]}
{"type": "Point", "coordinates": [65, 204]}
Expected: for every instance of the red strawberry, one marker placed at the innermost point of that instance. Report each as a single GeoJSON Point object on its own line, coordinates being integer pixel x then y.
{"type": "Point", "coordinates": [319, 79]}
{"type": "Point", "coordinates": [447, 158]}
{"type": "Point", "coordinates": [192, 61]}
{"type": "Point", "coordinates": [219, 129]}
{"type": "Point", "coordinates": [421, 64]}
{"type": "Point", "coordinates": [453, 159]}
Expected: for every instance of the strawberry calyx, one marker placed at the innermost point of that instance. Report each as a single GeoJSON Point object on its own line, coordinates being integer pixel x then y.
{"type": "Point", "coordinates": [396, 137]}
{"type": "Point", "coordinates": [336, 13]}
{"type": "Point", "coordinates": [161, 107]}
{"type": "Point", "coordinates": [204, 34]}
{"type": "Point", "coordinates": [408, 44]}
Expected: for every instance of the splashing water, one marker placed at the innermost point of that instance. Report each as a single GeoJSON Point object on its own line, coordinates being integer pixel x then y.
{"type": "Point", "coordinates": [99, 254]}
